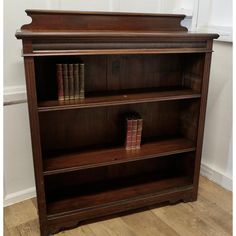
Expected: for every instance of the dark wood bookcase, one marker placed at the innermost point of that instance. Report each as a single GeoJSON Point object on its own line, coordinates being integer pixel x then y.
{"type": "Point", "coordinates": [146, 63]}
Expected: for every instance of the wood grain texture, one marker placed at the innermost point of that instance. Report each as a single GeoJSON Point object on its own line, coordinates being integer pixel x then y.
{"type": "Point", "coordinates": [113, 52]}
{"type": "Point", "coordinates": [102, 21]}
{"type": "Point", "coordinates": [210, 215]}
{"type": "Point", "coordinates": [59, 163]}
{"type": "Point", "coordinates": [35, 139]}
{"type": "Point", "coordinates": [124, 97]}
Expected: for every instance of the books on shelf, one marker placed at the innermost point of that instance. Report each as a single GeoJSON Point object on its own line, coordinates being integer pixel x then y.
{"type": "Point", "coordinates": [70, 81]}
{"type": "Point", "coordinates": [134, 125]}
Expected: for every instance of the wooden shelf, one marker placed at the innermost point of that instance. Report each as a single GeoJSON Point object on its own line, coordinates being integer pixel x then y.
{"type": "Point", "coordinates": [119, 99]}
{"type": "Point", "coordinates": [106, 195]}
{"type": "Point", "coordinates": [65, 162]}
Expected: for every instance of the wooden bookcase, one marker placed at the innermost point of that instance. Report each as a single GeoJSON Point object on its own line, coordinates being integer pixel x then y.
{"type": "Point", "coordinates": [147, 63]}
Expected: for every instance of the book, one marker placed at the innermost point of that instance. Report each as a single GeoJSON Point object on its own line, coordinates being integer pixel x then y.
{"type": "Point", "coordinates": [65, 81]}
{"type": "Point", "coordinates": [60, 87]}
{"type": "Point", "coordinates": [139, 132]}
{"type": "Point", "coordinates": [128, 142]}
{"type": "Point", "coordinates": [71, 82]}
{"type": "Point", "coordinates": [134, 132]}
{"type": "Point", "coordinates": [81, 79]}
{"type": "Point", "coordinates": [134, 125]}
{"type": "Point", "coordinates": [76, 80]}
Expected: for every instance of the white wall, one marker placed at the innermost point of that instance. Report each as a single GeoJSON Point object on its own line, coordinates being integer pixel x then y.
{"type": "Point", "coordinates": [18, 163]}
{"type": "Point", "coordinates": [18, 167]}
{"type": "Point", "coordinates": [217, 148]}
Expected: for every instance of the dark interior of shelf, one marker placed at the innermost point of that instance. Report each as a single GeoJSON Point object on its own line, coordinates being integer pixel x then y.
{"type": "Point", "coordinates": [104, 127]}
{"type": "Point", "coordinates": [107, 76]}
{"type": "Point", "coordinates": [104, 185]}
{"type": "Point", "coordinates": [57, 162]}
{"type": "Point", "coordinates": [84, 158]}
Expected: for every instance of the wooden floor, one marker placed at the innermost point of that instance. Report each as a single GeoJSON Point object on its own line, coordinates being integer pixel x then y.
{"type": "Point", "coordinates": [210, 215]}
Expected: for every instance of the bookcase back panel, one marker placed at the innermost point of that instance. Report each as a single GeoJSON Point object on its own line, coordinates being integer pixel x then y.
{"type": "Point", "coordinates": [110, 177]}
{"type": "Point", "coordinates": [193, 71]}
{"type": "Point", "coordinates": [138, 71]}
{"type": "Point", "coordinates": [103, 126]}
{"type": "Point", "coordinates": [117, 73]}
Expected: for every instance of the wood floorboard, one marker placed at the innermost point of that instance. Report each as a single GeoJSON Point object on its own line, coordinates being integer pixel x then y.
{"type": "Point", "coordinates": [210, 215]}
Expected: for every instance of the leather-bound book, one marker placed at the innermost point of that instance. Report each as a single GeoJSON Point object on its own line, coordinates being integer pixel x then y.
{"type": "Point", "coordinates": [139, 132]}
{"type": "Point", "coordinates": [60, 89]}
{"type": "Point", "coordinates": [71, 82]}
{"type": "Point", "coordinates": [81, 78]}
{"type": "Point", "coordinates": [128, 142]}
{"type": "Point", "coordinates": [134, 132]}
{"type": "Point", "coordinates": [66, 81]}
{"type": "Point", "coordinates": [76, 80]}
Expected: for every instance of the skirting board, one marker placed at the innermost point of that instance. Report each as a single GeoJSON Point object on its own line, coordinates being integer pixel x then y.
{"type": "Point", "coordinates": [19, 196]}
{"type": "Point", "coordinates": [206, 171]}
{"type": "Point", "coordinates": [216, 177]}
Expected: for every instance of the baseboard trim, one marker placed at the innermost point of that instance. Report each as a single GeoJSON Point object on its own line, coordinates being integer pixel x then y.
{"type": "Point", "coordinates": [216, 176]}
{"type": "Point", "coordinates": [19, 196]}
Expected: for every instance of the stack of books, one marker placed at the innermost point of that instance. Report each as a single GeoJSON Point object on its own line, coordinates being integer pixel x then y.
{"type": "Point", "coordinates": [70, 81]}
{"type": "Point", "coordinates": [134, 124]}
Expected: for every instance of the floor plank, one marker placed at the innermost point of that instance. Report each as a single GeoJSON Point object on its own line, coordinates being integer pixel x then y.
{"type": "Point", "coordinates": [210, 215]}
{"type": "Point", "coordinates": [19, 213]}
{"type": "Point", "coordinates": [146, 223]}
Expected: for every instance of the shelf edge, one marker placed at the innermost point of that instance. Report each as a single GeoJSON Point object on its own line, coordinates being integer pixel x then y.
{"type": "Point", "coordinates": [114, 162]}
{"type": "Point", "coordinates": [117, 103]}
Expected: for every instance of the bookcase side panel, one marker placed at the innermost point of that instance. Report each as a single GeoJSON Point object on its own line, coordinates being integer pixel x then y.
{"type": "Point", "coordinates": [35, 139]}
{"type": "Point", "coordinates": [202, 114]}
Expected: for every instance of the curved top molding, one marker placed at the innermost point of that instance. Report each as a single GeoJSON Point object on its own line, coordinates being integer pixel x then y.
{"type": "Point", "coordinates": [45, 20]}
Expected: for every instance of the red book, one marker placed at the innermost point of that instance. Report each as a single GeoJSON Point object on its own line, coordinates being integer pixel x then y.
{"type": "Point", "coordinates": [134, 133]}
{"type": "Point", "coordinates": [60, 89]}
{"type": "Point", "coordinates": [129, 124]}
{"type": "Point", "coordinates": [139, 133]}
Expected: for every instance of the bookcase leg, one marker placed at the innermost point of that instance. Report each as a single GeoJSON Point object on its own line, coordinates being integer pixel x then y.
{"type": "Point", "coordinates": [185, 199]}
{"type": "Point", "coordinates": [190, 198]}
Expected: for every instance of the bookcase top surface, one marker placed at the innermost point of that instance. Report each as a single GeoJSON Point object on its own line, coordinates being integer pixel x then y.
{"type": "Point", "coordinates": [60, 24]}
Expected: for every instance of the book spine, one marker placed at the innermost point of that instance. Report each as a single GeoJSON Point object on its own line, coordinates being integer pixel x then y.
{"type": "Point", "coordinates": [81, 77]}
{"type": "Point", "coordinates": [139, 133]}
{"type": "Point", "coordinates": [60, 89]}
{"type": "Point", "coordinates": [128, 134]}
{"type": "Point", "coordinates": [134, 133]}
{"type": "Point", "coordinates": [66, 81]}
{"type": "Point", "coordinates": [76, 80]}
{"type": "Point", "coordinates": [71, 82]}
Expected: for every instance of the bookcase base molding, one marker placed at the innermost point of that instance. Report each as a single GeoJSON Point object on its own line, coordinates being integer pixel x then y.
{"type": "Point", "coordinates": [70, 221]}
{"type": "Point", "coordinates": [97, 84]}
